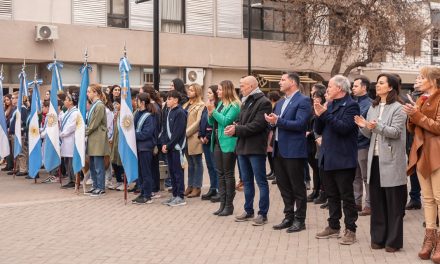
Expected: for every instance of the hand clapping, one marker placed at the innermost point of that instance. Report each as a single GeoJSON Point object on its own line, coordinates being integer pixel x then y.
{"type": "Point", "coordinates": [319, 108]}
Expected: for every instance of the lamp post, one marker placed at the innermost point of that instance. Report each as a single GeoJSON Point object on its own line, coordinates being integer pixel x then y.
{"type": "Point", "coordinates": [250, 6]}
{"type": "Point", "coordinates": [156, 75]}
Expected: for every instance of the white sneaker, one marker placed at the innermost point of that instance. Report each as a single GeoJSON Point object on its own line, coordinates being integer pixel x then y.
{"type": "Point", "coordinates": [110, 185]}
{"type": "Point", "coordinates": [89, 181]}
{"type": "Point", "coordinates": [155, 195]}
{"type": "Point", "coordinates": [120, 187]}
{"type": "Point", "coordinates": [177, 202]}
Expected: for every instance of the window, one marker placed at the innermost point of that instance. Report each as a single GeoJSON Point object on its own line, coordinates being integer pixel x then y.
{"type": "Point", "coordinates": [5, 9]}
{"type": "Point", "coordinates": [117, 13]}
{"type": "Point", "coordinates": [148, 76]}
{"type": "Point", "coordinates": [435, 43]}
{"type": "Point", "coordinates": [172, 19]}
{"type": "Point", "coordinates": [413, 43]}
{"type": "Point", "coordinates": [272, 22]}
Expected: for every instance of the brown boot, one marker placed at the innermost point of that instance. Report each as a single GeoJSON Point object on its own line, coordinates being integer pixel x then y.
{"type": "Point", "coordinates": [436, 254]}
{"type": "Point", "coordinates": [188, 191]}
{"type": "Point", "coordinates": [195, 193]}
{"type": "Point", "coordinates": [428, 244]}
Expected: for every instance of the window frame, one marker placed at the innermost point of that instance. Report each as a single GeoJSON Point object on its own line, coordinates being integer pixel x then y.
{"type": "Point", "coordinates": [111, 16]}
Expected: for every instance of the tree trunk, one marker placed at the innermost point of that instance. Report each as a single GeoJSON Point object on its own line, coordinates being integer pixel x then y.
{"type": "Point", "coordinates": [338, 61]}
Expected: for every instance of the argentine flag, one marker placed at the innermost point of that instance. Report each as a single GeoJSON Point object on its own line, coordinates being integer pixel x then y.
{"type": "Point", "coordinates": [52, 158]}
{"type": "Point", "coordinates": [79, 152]}
{"type": "Point", "coordinates": [35, 157]}
{"type": "Point", "coordinates": [4, 142]}
{"type": "Point", "coordinates": [127, 136]}
{"type": "Point", "coordinates": [36, 92]}
{"type": "Point", "coordinates": [17, 135]}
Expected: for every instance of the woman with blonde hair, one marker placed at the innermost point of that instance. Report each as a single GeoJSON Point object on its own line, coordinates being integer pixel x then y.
{"type": "Point", "coordinates": [222, 145]}
{"type": "Point", "coordinates": [424, 122]}
{"type": "Point", "coordinates": [194, 107]}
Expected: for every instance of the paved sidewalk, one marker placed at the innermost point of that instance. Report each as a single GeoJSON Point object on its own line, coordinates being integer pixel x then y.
{"type": "Point", "coordinates": [40, 223]}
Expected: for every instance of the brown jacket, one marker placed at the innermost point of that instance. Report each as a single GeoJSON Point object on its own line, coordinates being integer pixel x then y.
{"type": "Point", "coordinates": [425, 124]}
{"type": "Point", "coordinates": [192, 128]}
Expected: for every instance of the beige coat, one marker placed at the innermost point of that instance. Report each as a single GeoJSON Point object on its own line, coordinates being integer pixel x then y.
{"type": "Point", "coordinates": [192, 128]}
{"type": "Point", "coordinates": [425, 124]}
{"type": "Point", "coordinates": [96, 131]}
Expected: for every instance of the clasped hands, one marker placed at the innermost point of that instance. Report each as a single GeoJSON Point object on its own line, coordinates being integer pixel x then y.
{"type": "Point", "coordinates": [362, 122]}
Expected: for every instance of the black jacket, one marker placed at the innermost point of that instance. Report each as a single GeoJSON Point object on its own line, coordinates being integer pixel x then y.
{"type": "Point", "coordinates": [252, 129]}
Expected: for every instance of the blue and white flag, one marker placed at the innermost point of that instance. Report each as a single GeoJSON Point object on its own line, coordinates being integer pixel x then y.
{"type": "Point", "coordinates": [17, 117]}
{"type": "Point", "coordinates": [4, 142]}
{"type": "Point", "coordinates": [79, 152]}
{"type": "Point", "coordinates": [35, 155]}
{"type": "Point", "coordinates": [52, 158]}
{"type": "Point", "coordinates": [127, 135]}
{"type": "Point", "coordinates": [36, 92]}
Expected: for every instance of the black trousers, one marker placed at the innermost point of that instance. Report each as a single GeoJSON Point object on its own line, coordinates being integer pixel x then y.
{"type": "Point", "coordinates": [290, 181]}
{"type": "Point", "coordinates": [156, 173]}
{"type": "Point", "coordinates": [339, 187]}
{"type": "Point", "coordinates": [313, 162]}
{"type": "Point", "coordinates": [387, 210]}
{"type": "Point", "coordinates": [225, 168]}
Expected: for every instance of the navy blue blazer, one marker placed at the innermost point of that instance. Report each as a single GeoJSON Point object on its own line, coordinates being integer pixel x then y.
{"type": "Point", "coordinates": [292, 127]}
{"type": "Point", "coordinates": [339, 132]}
{"type": "Point", "coordinates": [146, 138]}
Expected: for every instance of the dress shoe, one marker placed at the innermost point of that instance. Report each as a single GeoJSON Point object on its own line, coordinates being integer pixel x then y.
{"type": "Point", "coordinates": [21, 174]}
{"type": "Point", "coordinates": [366, 211]}
{"type": "Point", "coordinates": [324, 205]}
{"type": "Point", "coordinates": [10, 172]}
{"type": "Point", "coordinates": [359, 207]}
{"type": "Point", "coordinates": [413, 205]}
{"type": "Point", "coordinates": [6, 169]}
{"type": "Point", "coordinates": [227, 211]}
{"type": "Point", "coordinates": [215, 198]}
{"type": "Point", "coordinates": [391, 249]}
{"type": "Point", "coordinates": [222, 207]}
{"type": "Point", "coordinates": [312, 196]}
{"type": "Point", "coordinates": [376, 246]}
{"type": "Point", "coordinates": [322, 198]}
{"type": "Point", "coordinates": [188, 191]}
{"type": "Point", "coordinates": [296, 227]}
{"type": "Point", "coordinates": [286, 223]}
{"type": "Point", "coordinates": [209, 194]}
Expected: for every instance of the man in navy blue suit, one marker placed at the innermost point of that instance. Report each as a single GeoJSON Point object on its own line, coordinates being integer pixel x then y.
{"type": "Point", "coordinates": [338, 157]}
{"type": "Point", "coordinates": [289, 121]}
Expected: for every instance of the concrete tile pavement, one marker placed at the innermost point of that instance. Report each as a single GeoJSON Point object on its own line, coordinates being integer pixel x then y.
{"type": "Point", "coordinates": [40, 223]}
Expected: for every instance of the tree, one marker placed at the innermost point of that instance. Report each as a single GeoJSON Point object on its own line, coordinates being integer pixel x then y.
{"type": "Point", "coordinates": [356, 32]}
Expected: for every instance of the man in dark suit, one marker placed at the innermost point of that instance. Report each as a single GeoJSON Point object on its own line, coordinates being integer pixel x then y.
{"type": "Point", "coordinates": [338, 157]}
{"type": "Point", "coordinates": [289, 120]}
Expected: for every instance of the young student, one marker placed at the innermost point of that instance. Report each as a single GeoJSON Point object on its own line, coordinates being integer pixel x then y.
{"type": "Point", "coordinates": [146, 140]}
{"type": "Point", "coordinates": [173, 139]}
{"type": "Point", "coordinates": [67, 136]}
{"type": "Point", "coordinates": [97, 142]}
{"type": "Point", "coordinates": [114, 155]}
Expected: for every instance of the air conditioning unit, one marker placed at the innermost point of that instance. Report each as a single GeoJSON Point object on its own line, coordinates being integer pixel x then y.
{"type": "Point", "coordinates": [195, 75]}
{"type": "Point", "coordinates": [46, 32]}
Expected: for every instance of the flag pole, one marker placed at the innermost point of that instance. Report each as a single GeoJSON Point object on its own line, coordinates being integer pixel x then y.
{"type": "Point", "coordinates": [125, 189]}
{"type": "Point", "coordinates": [15, 159]}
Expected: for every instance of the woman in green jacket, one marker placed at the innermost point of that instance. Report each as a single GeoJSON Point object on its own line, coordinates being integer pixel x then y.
{"type": "Point", "coordinates": [97, 140]}
{"type": "Point", "coordinates": [224, 146]}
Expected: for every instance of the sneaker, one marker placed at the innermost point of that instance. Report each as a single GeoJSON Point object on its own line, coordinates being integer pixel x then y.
{"type": "Point", "coordinates": [142, 200]}
{"type": "Point", "coordinates": [137, 197]}
{"type": "Point", "coordinates": [120, 187]}
{"type": "Point", "coordinates": [155, 195]}
{"type": "Point", "coordinates": [89, 191]}
{"type": "Point", "coordinates": [50, 179]}
{"type": "Point", "coordinates": [168, 201]}
{"type": "Point", "coordinates": [349, 238]}
{"type": "Point", "coordinates": [97, 193]}
{"type": "Point", "coordinates": [89, 181]}
{"type": "Point", "coordinates": [177, 202]}
{"type": "Point", "coordinates": [244, 217]}
{"type": "Point", "coordinates": [260, 220]}
{"type": "Point", "coordinates": [110, 185]}
{"type": "Point", "coordinates": [328, 233]}
{"type": "Point", "coordinates": [68, 185]}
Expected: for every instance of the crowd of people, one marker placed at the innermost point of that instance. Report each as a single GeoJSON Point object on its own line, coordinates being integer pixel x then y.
{"type": "Point", "coordinates": [347, 139]}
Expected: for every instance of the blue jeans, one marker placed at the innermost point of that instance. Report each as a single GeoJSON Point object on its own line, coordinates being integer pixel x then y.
{"type": "Point", "coordinates": [97, 172]}
{"type": "Point", "coordinates": [210, 164]}
{"type": "Point", "coordinates": [195, 171]}
{"type": "Point", "coordinates": [414, 193]}
{"type": "Point", "coordinates": [254, 166]}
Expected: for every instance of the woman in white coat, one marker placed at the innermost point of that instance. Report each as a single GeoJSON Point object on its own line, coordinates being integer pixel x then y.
{"type": "Point", "coordinates": [67, 136]}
